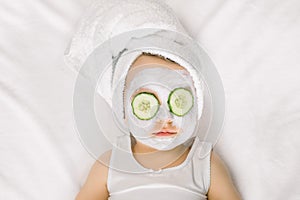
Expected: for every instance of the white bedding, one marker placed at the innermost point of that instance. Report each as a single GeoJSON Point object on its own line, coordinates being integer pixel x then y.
{"type": "Point", "coordinates": [255, 45]}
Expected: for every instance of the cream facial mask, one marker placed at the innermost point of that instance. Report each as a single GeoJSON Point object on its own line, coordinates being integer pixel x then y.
{"type": "Point", "coordinates": [160, 82]}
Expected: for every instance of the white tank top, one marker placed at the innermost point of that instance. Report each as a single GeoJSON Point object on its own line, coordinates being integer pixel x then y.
{"type": "Point", "coordinates": [189, 180]}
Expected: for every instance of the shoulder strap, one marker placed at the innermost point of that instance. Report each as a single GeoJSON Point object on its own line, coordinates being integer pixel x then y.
{"type": "Point", "coordinates": [201, 162]}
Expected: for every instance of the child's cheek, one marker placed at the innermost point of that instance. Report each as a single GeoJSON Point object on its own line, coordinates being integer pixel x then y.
{"type": "Point", "coordinates": [137, 126]}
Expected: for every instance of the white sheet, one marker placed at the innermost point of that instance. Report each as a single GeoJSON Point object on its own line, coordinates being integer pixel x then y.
{"type": "Point", "coordinates": [253, 43]}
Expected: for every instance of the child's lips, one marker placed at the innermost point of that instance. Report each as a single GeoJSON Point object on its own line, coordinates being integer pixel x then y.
{"type": "Point", "coordinates": [165, 133]}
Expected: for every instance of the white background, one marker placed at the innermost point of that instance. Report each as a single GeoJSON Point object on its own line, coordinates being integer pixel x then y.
{"type": "Point", "coordinates": [254, 43]}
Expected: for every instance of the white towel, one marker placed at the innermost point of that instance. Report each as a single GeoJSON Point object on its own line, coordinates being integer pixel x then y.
{"type": "Point", "coordinates": [106, 19]}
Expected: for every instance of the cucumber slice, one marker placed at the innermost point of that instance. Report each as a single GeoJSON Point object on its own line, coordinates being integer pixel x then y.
{"type": "Point", "coordinates": [180, 101]}
{"type": "Point", "coordinates": [145, 105]}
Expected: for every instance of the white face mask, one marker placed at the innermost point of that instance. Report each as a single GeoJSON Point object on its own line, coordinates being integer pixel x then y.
{"type": "Point", "coordinates": [161, 81]}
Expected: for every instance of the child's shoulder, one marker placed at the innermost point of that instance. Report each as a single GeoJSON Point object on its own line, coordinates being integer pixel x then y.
{"type": "Point", "coordinates": [221, 184]}
{"type": "Point", "coordinates": [100, 167]}
{"type": "Point", "coordinates": [99, 170]}
{"type": "Point", "coordinates": [95, 186]}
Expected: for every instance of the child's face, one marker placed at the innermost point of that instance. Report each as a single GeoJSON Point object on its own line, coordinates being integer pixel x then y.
{"type": "Point", "coordinates": [164, 129]}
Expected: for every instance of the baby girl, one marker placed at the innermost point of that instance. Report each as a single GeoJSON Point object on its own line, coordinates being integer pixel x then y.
{"type": "Point", "coordinates": [160, 110]}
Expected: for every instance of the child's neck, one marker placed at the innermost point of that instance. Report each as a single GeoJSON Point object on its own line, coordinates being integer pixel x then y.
{"type": "Point", "coordinates": [155, 159]}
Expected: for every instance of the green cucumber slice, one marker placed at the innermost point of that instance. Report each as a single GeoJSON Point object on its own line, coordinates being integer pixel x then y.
{"type": "Point", "coordinates": [145, 105]}
{"type": "Point", "coordinates": [180, 101]}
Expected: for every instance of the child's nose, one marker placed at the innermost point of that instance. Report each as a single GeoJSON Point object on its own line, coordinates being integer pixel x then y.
{"type": "Point", "coordinates": [165, 123]}
{"type": "Point", "coordinates": [165, 115]}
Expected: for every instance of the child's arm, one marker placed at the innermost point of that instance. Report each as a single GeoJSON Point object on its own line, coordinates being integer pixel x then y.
{"type": "Point", "coordinates": [95, 185]}
{"type": "Point", "coordinates": [221, 186]}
